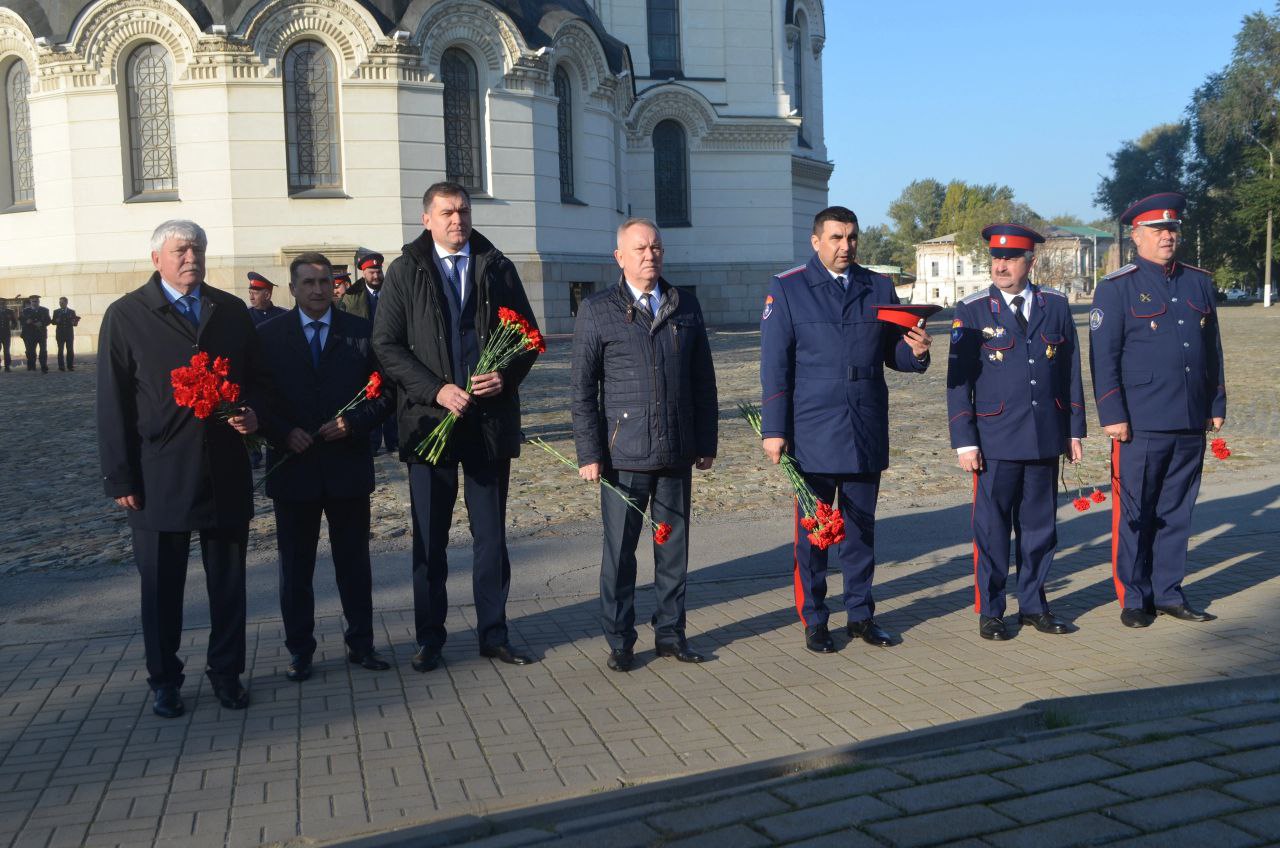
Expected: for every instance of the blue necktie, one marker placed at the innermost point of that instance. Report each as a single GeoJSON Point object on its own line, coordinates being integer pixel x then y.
{"type": "Point", "coordinates": [451, 266]}
{"type": "Point", "coordinates": [373, 304]}
{"type": "Point", "coordinates": [316, 347]}
{"type": "Point", "coordinates": [188, 310]}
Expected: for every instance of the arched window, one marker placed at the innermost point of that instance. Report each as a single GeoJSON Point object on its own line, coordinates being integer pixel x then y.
{"type": "Point", "coordinates": [311, 118]}
{"type": "Point", "coordinates": [21, 183]}
{"type": "Point", "coordinates": [564, 130]}
{"type": "Point", "coordinates": [664, 37]}
{"type": "Point", "coordinates": [670, 175]}
{"type": "Point", "coordinates": [461, 118]}
{"type": "Point", "coordinates": [152, 164]}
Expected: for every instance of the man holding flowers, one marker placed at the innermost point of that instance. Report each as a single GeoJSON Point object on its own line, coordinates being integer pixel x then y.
{"type": "Point", "coordinates": [175, 472]}
{"type": "Point", "coordinates": [825, 401]}
{"type": "Point", "coordinates": [645, 412]}
{"type": "Point", "coordinates": [438, 308]}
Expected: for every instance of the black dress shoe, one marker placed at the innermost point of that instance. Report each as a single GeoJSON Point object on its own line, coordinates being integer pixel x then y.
{"type": "Point", "coordinates": [427, 658]}
{"type": "Point", "coordinates": [229, 692]}
{"type": "Point", "coordinates": [869, 632]}
{"type": "Point", "coordinates": [1045, 622]}
{"type": "Point", "coordinates": [369, 659]}
{"type": "Point", "coordinates": [299, 668]}
{"type": "Point", "coordinates": [818, 639]}
{"type": "Point", "coordinates": [1183, 612]}
{"type": "Point", "coordinates": [506, 654]}
{"type": "Point", "coordinates": [992, 628]}
{"type": "Point", "coordinates": [681, 651]}
{"type": "Point", "coordinates": [621, 659]}
{"type": "Point", "coordinates": [168, 703]}
{"type": "Point", "coordinates": [1136, 617]}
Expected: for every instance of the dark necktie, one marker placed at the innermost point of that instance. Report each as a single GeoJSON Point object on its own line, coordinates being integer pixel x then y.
{"type": "Point", "coordinates": [843, 282]}
{"type": "Point", "coordinates": [316, 347]}
{"type": "Point", "coordinates": [188, 310]}
{"type": "Point", "coordinates": [373, 303]}
{"type": "Point", "coordinates": [645, 308]}
{"type": "Point", "coordinates": [1017, 311]}
{"type": "Point", "coordinates": [451, 270]}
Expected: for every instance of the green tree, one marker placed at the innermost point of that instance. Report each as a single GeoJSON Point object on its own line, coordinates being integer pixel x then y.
{"type": "Point", "coordinates": [875, 246]}
{"type": "Point", "coordinates": [1065, 220]}
{"type": "Point", "coordinates": [1153, 163]}
{"type": "Point", "coordinates": [915, 215]}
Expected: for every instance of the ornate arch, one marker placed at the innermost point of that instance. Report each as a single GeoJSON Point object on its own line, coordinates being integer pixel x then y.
{"type": "Point", "coordinates": [577, 47]}
{"type": "Point", "coordinates": [486, 30]}
{"type": "Point", "coordinates": [814, 11]}
{"type": "Point", "coordinates": [16, 40]}
{"type": "Point", "coordinates": [346, 26]}
{"type": "Point", "coordinates": [105, 31]}
{"type": "Point", "coordinates": [672, 100]}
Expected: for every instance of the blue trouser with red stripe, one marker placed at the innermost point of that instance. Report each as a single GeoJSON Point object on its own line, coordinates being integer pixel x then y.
{"type": "Point", "coordinates": [1155, 478]}
{"type": "Point", "coordinates": [1009, 491]}
{"type": "Point", "coordinates": [855, 556]}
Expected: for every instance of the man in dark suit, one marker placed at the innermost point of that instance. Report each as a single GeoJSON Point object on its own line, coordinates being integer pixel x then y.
{"type": "Point", "coordinates": [8, 323]}
{"type": "Point", "coordinates": [65, 320]}
{"type": "Point", "coordinates": [320, 358]}
{"type": "Point", "coordinates": [822, 359]}
{"type": "Point", "coordinates": [35, 321]}
{"type": "Point", "coordinates": [173, 473]}
{"type": "Point", "coordinates": [437, 309]}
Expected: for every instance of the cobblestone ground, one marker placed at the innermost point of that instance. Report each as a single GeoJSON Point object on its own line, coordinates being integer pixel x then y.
{"type": "Point", "coordinates": [53, 514]}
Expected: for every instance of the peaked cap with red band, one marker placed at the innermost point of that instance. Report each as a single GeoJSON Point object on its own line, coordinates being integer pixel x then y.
{"type": "Point", "coordinates": [906, 315]}
{"type": "Point", "coordinates": [1007, 241]}
{"type": "Point", "coordinates": [366, 258]}
{"type": "Point", "coordinates": [342, 276]}
{"type": "Point", "coordinates": [1158, 210]}
{"type": "Point", "coordinates": [257, 281]}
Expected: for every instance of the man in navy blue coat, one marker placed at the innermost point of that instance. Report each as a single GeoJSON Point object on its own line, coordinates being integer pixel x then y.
{"type": "Point", "coordinates": [824, 399]}
{"type": "Point", "coordinates": [320, 358]}
{"type": "Point", "coordinates": [1156, 357]}
{"type": "Point", "coordinates": [1015, 404]}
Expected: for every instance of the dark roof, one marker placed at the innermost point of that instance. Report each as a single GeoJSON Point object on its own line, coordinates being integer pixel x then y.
{"type": "Point", "coordinates": [537, 20]}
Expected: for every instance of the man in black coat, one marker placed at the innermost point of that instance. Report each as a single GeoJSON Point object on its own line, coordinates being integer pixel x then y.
{"type": "Point", "coordinates": [35, 320]}
{"type": "Point", "coordinates": [65, 320]}
{"type": "Point", "coordinates": [8, 323]}
{"type": "Point", "coordinates": [644, 412]}
{"type": "Point", "coordinates": [438, 306]}
{"type": "Point", "coordinates": [174, 473]}
{"type": "Point", "coordinates": [319, 359]}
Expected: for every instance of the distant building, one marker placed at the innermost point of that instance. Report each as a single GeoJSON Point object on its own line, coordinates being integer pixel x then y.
{"type": "Point", "coordinates": [943, 276]}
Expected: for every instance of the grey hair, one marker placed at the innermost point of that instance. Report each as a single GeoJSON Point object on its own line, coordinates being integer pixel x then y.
{"type": "Point", "coordinates": [180, 229]}
{"type": "Point", "coordinates": [637, 222]}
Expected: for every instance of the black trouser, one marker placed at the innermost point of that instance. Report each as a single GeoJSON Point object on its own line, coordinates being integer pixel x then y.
{"type": "Point", "coordinates": [66, 351]}
{"type": "Point", "coordinates": [433, 490]}
{"type": "Point", "coordinates": [669, 490]}
{"type": "Point", "coordinates": [5, 342]}
{"type": "Point", "coordinates": [297, 534]}
{"type": "Point", "coordinates": [387, 433]}
{"type": "Point", "coordinates": [161, 558]}
{"type": "Point", "coordinates": [37, 347]}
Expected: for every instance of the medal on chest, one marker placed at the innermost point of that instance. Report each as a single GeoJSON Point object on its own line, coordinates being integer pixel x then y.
{"type": "Point", "coordinates": [1154, 326]}
{"type": "Point", "coordinates": [1050, 351]}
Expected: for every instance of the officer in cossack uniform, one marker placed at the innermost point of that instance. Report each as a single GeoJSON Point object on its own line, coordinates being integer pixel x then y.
{"type": "Point", "coordinates": [1016, 404]}
{"type": "Point", "coordinates": [261, 309]}
{"type": "Point", "coordinates": [824, 400]}
{"type": "Point", "coordinates": [1156, 357]}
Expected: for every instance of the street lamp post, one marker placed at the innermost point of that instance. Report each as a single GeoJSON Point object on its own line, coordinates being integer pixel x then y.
{"type": "Point", "coordinates": [1271, 171]}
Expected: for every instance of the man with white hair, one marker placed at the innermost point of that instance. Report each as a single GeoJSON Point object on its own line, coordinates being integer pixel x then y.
{"type": "Point", "coordinates": [174, 473]}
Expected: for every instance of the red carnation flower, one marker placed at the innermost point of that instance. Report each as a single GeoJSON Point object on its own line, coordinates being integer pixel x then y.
{"type": "Point", "coordinates": [373, 389]}
{"type": "Point", "coordinates": [1081, 504]}
{"type": "Point", "coordinates": [229, 391]}
{"type": "Point", "coordinates": [1097, 497]}
{"type": "Point", "coordinates": [222, 367]}
{"type": "Point", "coordinates": [662, 533]}
{"type": "Point", "coordinates": [808, 522]}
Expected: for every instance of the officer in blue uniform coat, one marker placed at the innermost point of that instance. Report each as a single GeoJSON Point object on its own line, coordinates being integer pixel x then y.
{"type": "Point", "coordinates": [822, 359]}
{"type": "Point", "coordinates": [261, 308]}
{"type": "Point", "coordinates": [1156, 357]}
{"type": "Point", "coordinates": [1015, 403]}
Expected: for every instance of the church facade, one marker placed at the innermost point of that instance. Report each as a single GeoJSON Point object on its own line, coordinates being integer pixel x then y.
{"type": "Point", "coordinates": [290, 125]}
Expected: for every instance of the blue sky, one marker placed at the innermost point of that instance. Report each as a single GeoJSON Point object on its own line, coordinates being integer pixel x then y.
{"type": "Point", "coordinates": [1033, 95]}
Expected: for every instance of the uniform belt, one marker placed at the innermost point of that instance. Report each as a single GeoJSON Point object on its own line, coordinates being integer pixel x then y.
{"type": "Point", "coordinates": [856, 373]}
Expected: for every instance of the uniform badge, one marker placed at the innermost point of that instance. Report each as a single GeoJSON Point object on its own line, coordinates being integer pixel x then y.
{"type": "Point", "coordinates": [1050, 351]}
{"type": "Point", "coordinates": [1204, 320]}
{"type": "Point", "coordinates": [768, 307]}
{"type": "Point", "coordinates": [991, 356]}
{"type": "Point", "coordinates": [957, 327]}
{"type": "Point", "coordinates": [999, 356]}
{"type": "Point", "coordinates": [1154, 325]}
{"type": "Point", "coordinates": [988, 332]}
{"type": "Point", "coordinates": [1095, 319]}
{"type": "Point", "coordinates": [999, 332]}
{"type": "Point", "coordinates": [1144, 297]}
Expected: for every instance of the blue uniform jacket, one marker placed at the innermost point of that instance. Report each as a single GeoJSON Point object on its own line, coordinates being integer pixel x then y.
{"type": "Point", "coordinates": [1015, 395]}
{"type": "Point", "coordinates": [1154, 348]}
{"type": "Point", "coordinates": [822, 360]}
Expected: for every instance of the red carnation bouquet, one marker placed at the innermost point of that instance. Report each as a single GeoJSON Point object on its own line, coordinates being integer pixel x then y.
{"type": "Point", "coordinates": [661, 530]}
{"type": "Point", "coordinates": [1219, 448]}
{"type": "Point", "coordinates": [371, 390]}
{"type": "Point", "coordinates": [202, 386]}
{"type": "Point", "coordinates": [513, 337]}
{"type": "Point", "coordinates": [821, 521]}
{"type": "Point", "coordinates": [1081, 501]}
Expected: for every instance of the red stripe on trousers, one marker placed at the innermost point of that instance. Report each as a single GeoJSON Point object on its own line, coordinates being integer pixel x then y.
{"type": "Point", "coordinates": [1115, 518]}
{"type": "Point", "coordinates": [973, 507]}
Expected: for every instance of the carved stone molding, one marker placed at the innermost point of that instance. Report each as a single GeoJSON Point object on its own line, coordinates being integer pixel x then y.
{"type": "Point", "coordinates": [811, 171]}
{"type": "Point", "coordinates": [108, 29]}
{"type": "Point", "coordinates": [477, 24]}
{"type": "Point", "coordinates": [16, 40]}
{"type": "Point", "coordinates": [576, 45]}
{"type": "Point", "coordinates": [776, 134]}
{"type": "Point", "coordinates": [793, 35]}
{"type": "Point", "coordinates": [273, 24]}
{"type": "Point", "coordinates": [816, 42]}
{"type": "Point", "coordinates": [671, 101]}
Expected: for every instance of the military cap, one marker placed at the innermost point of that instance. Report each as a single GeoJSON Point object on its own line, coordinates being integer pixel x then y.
{"type": "Point", "coordinates": [1007, 241]}
{"type": "Point", "coordinates": [1158, 210]}
{"type": "Point", "coordinates": [906, 315]}
{"type": "Point", "coordinates": [366, 258]}
{"type": "Point", "coordinates": [257, 281]}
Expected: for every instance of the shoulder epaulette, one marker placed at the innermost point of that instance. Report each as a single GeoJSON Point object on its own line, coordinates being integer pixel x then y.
{"type": "Point", "coordinates": [1195, 268]}
{"type": "Point", "coordinates": [1049, 290]}
{"type": "Point", "coordinates": [976, 296]}
{"type": "Point", "coordinates": [788, 273]}
{"type": "Point", "coordinates": [1120, 272]}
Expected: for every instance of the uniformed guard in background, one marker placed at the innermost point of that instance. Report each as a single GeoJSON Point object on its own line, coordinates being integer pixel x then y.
{"type": "Point", "coordinates": [65, 320]}
{"type": "Point", "coordinates": [1015, 404]}
{"type": "Point", "coordinates": [362, 299]}
{"type": "Point", "coordinates": [261, 291]}
{"type": "Point", "coordinates": [824, 399]}
{"type": "Point", "coordinates": [341, 283]}
{"type": "Point", "coordinates": [8, 323]}
{"type": "Point", "coordinates": [1156, 357]}
{"type": "Point", "coordinates": [35, 321]}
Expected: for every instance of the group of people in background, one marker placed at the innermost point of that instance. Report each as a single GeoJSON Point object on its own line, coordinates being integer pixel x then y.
{"type": "Point", "coordinates": [645, 411]}
{"type": "Point", "coordinates": [32, 322]}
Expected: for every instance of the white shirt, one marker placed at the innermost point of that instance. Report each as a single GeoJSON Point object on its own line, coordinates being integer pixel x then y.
{"type": "Point", "coordinates": [655, 296]}
{"type": "Point", "coordinates": [325, 320]}
{"type": "Point", "coordinates": [461, 262]}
